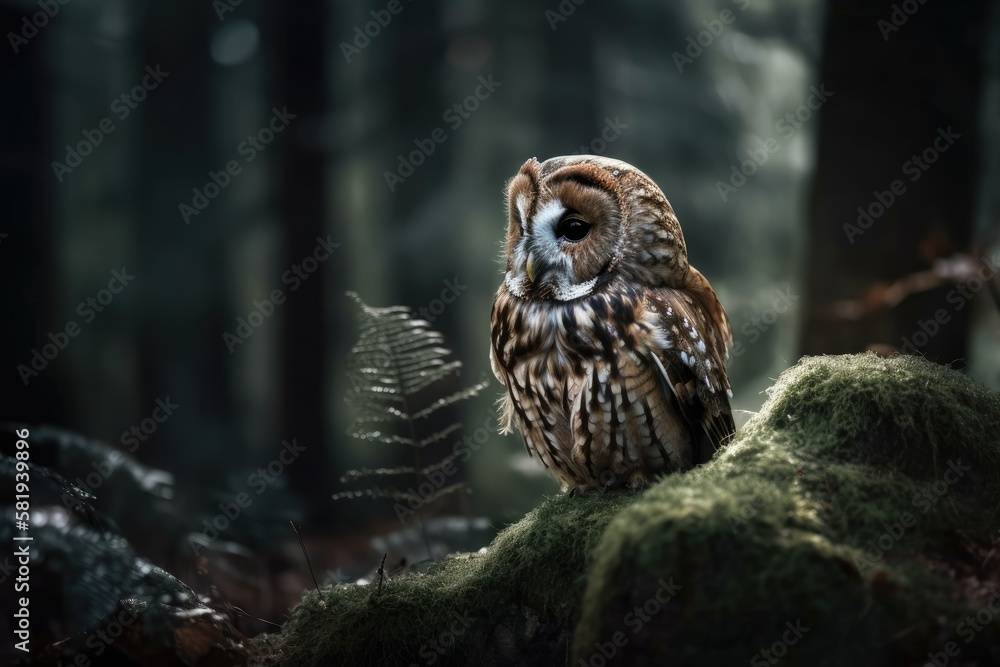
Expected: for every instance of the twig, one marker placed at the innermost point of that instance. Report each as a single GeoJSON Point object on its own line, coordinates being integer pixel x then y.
{"type": "Point", "coordinates": [958, 269]}
{"type": "Point", "coordinates": [381, 573]}
{"type": "Point", "coordinates": [249, 615]}
{"type": "Point", "coordinates": [303, 547]}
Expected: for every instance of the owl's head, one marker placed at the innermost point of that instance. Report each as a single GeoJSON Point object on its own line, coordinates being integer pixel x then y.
{"type": "Point", "coordinates": [579, 221]}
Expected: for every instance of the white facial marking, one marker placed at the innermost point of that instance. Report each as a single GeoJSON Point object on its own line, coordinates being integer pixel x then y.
{"type": "Point", "coordinates": [522, 208]}
{"type": "Point", "coordinates": [513, 284]}
{"type": "Point", "coordinates": [549, 213]}
{"type": "Point", "coordinates": [570, 292]}
{"type": "Point", "coordinates": [543, 242]}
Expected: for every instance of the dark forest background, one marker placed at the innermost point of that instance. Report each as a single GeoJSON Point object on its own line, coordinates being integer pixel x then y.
{"type": "Point", "coordinates": [767, 123]}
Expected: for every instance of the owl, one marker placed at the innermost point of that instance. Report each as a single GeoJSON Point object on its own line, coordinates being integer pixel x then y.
{"type": "Point", "coordinates": [611, 346]}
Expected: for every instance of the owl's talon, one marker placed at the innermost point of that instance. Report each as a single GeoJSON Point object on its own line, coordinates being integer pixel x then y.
{"type": "Point", "coordinates": [583, 490]}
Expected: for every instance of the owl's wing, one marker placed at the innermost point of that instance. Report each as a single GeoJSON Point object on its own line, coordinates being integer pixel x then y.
{"type": "Point", "coordinates": [505, 403]}
{"type": "Point", "coordinates": [692, 359]}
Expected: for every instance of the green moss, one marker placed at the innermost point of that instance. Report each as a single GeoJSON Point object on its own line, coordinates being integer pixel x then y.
{"type": "Point", "coordinates": [539, 563]}
{"type": "Point", "coordinates": [775, 529]}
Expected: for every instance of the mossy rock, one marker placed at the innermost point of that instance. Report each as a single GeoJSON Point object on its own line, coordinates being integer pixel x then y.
{"type": "Point", "coordinates": [852, 521]}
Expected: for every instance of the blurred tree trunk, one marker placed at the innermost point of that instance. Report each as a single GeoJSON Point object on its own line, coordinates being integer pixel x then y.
{"type": "Point", "coordinates": [180, 283]}
{"type": "Point", "coordinates": [25, 234]}
{"type": "Point", "coordinates": [302, 75]}
{"type": "Point", "coordinates": [903, 85]}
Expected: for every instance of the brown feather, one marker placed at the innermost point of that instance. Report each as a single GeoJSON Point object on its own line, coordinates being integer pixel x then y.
{"type": "Point", "coordinates": [613, 352]}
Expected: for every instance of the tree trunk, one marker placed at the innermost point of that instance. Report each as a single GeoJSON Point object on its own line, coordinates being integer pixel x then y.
{"type": "Point", "coordinates": [896, 179]}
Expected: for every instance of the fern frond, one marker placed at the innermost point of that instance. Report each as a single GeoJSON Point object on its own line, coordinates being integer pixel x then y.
{"type": "Point", "coordinates": [444, 491]}
{"type": "Point", "coordinates": [388, 439]}
{"type": "Point", "coordinates": [395, 364]}
{"type": "Point", "coordinates": [449, 400]}
{"type": "Point", "coordinates": [440, 435]}
{"type": "Point", "coordinates": [364, 473]}
{"type": "Point", "coordinates": [380, 492]}
{"type": "Point", "coordinates": [443, 463]}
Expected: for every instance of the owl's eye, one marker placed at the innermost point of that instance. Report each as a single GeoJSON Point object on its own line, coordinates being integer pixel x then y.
{"type": "Point", "coordinates": [572, 229]}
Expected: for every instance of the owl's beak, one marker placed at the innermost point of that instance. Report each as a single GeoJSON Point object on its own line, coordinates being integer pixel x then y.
{"type": "Point", "coordinates": [530, 267]}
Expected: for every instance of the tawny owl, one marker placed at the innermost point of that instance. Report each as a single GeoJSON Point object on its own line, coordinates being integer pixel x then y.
{"type": "Point", "coordinates": [611, 346]}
